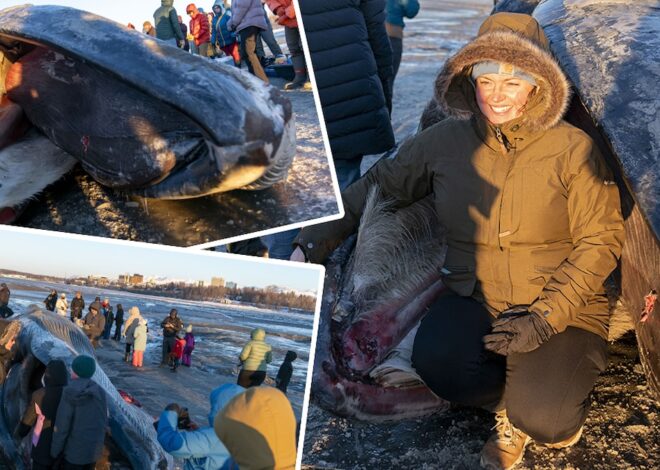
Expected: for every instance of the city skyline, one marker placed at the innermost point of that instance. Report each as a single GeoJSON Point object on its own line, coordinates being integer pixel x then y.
{"type": "Point", "coordinates": [67, 256]}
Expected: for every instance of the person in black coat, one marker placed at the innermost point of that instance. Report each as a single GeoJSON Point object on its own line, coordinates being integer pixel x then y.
{"type": "Point", "coordinates": [286, 371]}
{"type": "Point", "coordinates": [51, 300]}
{"type": "Point", "coordinates": [44, 404]}
{"type": "Point", "coordinates": [352, 61]}
{"type": "Point", "coordinates": [5, 311]}
{"type": "Point", "coordinates": [119, 321]}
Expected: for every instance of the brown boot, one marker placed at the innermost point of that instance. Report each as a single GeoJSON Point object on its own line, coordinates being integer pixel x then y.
{"type": "Point", "coordinates": [505, 447]}
{"type": "Point", "coordinates": [567, 442]}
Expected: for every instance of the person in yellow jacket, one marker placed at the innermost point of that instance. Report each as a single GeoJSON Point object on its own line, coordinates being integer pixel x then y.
{"type": "Point", "coordinates": [255, 357]}
{"type": "Point", "coordinates": [533, 227]}
{"type": "Point", "coordinates": [258, 428]}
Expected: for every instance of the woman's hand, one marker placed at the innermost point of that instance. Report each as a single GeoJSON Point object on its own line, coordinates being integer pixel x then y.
{"type": "Point", "coordinates": [298, 255]}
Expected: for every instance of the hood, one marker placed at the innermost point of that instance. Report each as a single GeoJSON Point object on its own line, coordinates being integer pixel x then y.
{"type": "Point", "coordinates": [290, 356]}
{"type": "Point", "coordinates": [8, 330]}
{"type": "Point", "coordinates": [81, 391]}
{"type": "Point", "coordinates": [167, 3]}
{"type": "Point", "coordinates": [191, 7]}
{"type": "Point", "coordinates": [258, 428]}
{"type": "Point", "coordinates": [220, 397]}
{"type": "Point", "coordinates": [96, 306]}
{"type": "Point", "coordinates": [515, 39]}
{"type": "Point", "coordinates": [258, 334]}
{"type": "Point", "coordinates": [56, 374]}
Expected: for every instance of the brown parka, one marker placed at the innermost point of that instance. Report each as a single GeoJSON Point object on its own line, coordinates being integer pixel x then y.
{"type": "Point", "coordinates": [531, 213]}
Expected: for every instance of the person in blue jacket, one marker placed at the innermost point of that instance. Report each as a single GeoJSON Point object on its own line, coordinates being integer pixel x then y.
{"type": "Point", "coordinates": [396, 10]}
{"type": "Point", "coordinates": [200, 449]}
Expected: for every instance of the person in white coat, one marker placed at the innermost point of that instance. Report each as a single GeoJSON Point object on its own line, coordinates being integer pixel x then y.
{"type": "Point", "coordinates": [61, 306]}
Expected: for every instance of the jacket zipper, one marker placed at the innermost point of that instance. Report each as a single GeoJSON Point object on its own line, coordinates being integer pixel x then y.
{"type": "Point", "coordinates": [503, 147]}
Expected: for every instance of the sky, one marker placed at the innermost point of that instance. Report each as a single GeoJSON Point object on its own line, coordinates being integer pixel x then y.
{"type": "Point", "coordinates": [46, 253]}
{"type": "Point", "coordinates": [122, 11]}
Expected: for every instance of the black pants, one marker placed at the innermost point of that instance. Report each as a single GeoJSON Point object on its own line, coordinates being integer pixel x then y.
{"type": "Point", "coordinates": [117, 331]}
{"type": "Point", "coordinates": [251, 378]}
{"type": "Point", "coordinates": [397, 51]}
{"type": "Point", "coordinates": [168, 345]}
{"type": "Point", "coordinates": [545, 391]}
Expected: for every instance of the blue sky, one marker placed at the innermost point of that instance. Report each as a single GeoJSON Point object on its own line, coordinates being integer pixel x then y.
{"type": "Point", "coordinates": [123, 11]}
{"type": "Point", "coordinates": [46, 253]}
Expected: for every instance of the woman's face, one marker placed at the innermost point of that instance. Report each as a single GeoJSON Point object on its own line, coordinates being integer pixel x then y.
{"type": "Point", "coordinates": [502, 98]}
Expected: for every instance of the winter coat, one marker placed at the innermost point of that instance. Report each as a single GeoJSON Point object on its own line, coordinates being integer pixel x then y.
{"type": "Point", "coordinates": [77, 306]}
{"type": "Point", "coordinates": [109, 317]}
{"type": "Point", "coordinates": [94, 324]}
{"type": "Point", "coordinates": [4, 295]}
{"type": "Point", "coordinates": [119, 318]}
{"type": "Point", "coordinates": [531, 212]}
{"type": "Point", "coordinates": [130, 326]}
{"type": "Point", "coordinates": [177, 350]}
{"type": "Point", "coordinates": [61, 306]}
{"type": "Point", "coordinates": [166, 22]}
{"type": "Point", "coordinates": [286, 371]}
{"type": "Point", "coordinates": [50, 302]}
{"type": "Point", "coordinates": [352, 62]}
{"type": "Point", "coordinates": [397, 9]}
{"type": "Point", "coordinates": [45, 402]}
{"type": "Point", "coordinates": [81, 421]}
{"type": "Point", "coordinates": [5, 357]}
{"type": "Point", "coordinates": [286, 13]}
{"type": "Point", "coordinates": [246, 13]}
{"type": "Point", "coordinates": [259, 429]}
{"type": "Point", "coordinates": [220, 33]}
{"type": "Point", "coordinates": [171, 326]}
{"type": "Point", "coordinates": [190, 343]}
{"type": "Point", "coordinates": [8, 330]}
{"type": "Point", "coordinates": [199, 28]}
{"type": "Point", "coordinates": [201, 449]}
{"type": "Point", "coordinates": [140, 337]}
{"type": "Point", "coordinates": [256, 354]}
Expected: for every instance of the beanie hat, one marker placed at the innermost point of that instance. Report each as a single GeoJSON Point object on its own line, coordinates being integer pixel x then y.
{"type": "Point", "coordinates": [486, 67]}
{"type": "Point", "coordinates": [84, 366]}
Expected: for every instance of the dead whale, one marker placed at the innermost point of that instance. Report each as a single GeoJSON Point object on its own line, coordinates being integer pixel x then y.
{"type": "Point", "coordinates": [43, 337]}
{"type": "Point", "coordinates": [138, 114]}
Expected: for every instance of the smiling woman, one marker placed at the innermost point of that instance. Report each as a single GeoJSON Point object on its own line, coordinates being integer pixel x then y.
{"type": "Point", "coordinates": [501, 96]}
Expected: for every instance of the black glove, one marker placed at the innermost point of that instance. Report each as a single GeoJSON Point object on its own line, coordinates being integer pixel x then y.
{"type": "Point", "coordinates": [517, 331]}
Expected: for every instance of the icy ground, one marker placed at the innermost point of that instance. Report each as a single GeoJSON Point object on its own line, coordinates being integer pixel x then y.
{"type": "Point", "coordinates": [78, 204]}
{"type": "Point", "coordinates": [220, 333]}
{"type": "Point", "coordinates": [623, 427]}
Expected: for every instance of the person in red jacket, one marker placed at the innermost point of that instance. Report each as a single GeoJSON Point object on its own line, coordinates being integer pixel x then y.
{"type": "Point", "coordinates": [286, 16]}
{"type": "Point", "coordinates": [177, 351]}
{"type": "Point", "coordinates": [199, 29]}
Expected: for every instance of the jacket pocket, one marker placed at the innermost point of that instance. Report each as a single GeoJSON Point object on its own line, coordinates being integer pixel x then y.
{"type": "Point", "coordinates": [541, 275]}
{"type": "Point", "coordinates": [459, 279]}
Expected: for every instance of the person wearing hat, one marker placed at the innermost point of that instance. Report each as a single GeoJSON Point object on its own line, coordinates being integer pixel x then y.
{"type": "Point", "coordinates": [61, 306]}
{"type": "Point", "coordinates": [189, 347]}
{"type": "Point", "coordinates": [258, 428]}
{"type": "Point", "coordinates": [148, 29]}
{"type": "Point", "coordinates": [9, 331]}
{"type": "Point", "coordinates": [200, 29]}
{"type": "Point", "coordinates": [82, 417]}
{"type": "Point", "coordinates": [77, 306]}
{"type": "Point", "coordinates": [533, 228]}
{"type": "Point", "coordinates": [94, 323]}
{"type": "Point", "coordinates": [171, 325]}
{"type": "Point", "coordinates": [128, 332]}
{"type": "Point", "coordinates": [255, 357]}
{"type": "Point", "coordinates": [139, 342]}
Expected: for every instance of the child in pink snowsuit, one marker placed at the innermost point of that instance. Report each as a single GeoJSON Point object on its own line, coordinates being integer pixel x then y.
{"type": "Point", "coordinates": [189, 347]}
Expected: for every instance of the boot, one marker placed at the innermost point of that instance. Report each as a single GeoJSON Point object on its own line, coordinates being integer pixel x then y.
{"type": "Point", "coordinates": [505, 447]}
{"type": "Point", "coordinates": [567, 442]}
{"type": "Point", "coordinates": [300, 80]}
{"type": "Point", "coordinates": [125, 357]}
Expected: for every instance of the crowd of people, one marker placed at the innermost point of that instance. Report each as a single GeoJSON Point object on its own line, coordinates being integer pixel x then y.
{"type": "Point", "coordinates": [67, 417]}
{"type": "Point", "coordinates": [236, 29]}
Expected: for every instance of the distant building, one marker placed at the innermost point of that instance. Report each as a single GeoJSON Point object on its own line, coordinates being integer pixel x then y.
{"type": "Point", "coordinates": [217, 282]}
{"type": "Point", "coordinates": [200, 283]}
{"type": "Point", "coordinates": [137, 279]}
{"type": "Point", "coordinates": [123, 279]}
{"type": "Point", "coordinates": [231, 285]}
{"type": "Point", "coordinates": [103, 281]}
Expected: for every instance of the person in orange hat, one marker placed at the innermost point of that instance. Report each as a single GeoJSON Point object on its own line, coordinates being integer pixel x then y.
{"type": "Point", "coordinates": [199, 29]}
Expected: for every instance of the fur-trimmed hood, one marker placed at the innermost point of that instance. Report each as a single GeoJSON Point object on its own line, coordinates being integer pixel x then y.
{"type": "Point", "coordinates": [515, 39]}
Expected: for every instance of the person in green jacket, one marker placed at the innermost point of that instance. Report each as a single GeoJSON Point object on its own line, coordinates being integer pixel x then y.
{"type": "Point", "coordinates": [533, 229]}
{"type": "Point", "coordinates": [255, 357]}
{"type": "Point", "coordinates": [166, 20]}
